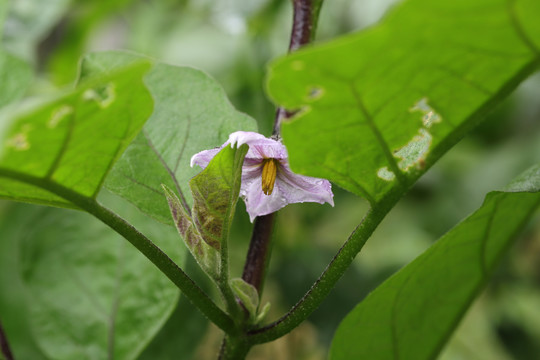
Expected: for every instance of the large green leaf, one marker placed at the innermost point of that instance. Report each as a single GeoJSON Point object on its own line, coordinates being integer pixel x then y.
{"type": "Point", "coordinates": [73, 141]}
{"type": "Point", "coordinates": [377, 108]}
{"type": "Point", "coordinates": [191, 114]}
{"type": "Point", "coordinates": [90, 294]}
{"type": "Point", "coordinates": [412, 314]}
{"type": "Point", "coordinates": [14, 313]}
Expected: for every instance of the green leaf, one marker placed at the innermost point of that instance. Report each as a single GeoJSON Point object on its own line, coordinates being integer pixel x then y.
{"type": "Point", "coordinates": [379, 107]}
{"type": "Point", "coordinates": [215, 193]}
{"type": "Point", "coordinates": [74, 140]}
{"type": "Point", "coordinates": [181, 334]}
{"type": "Point", "coordinates": [90, 294]}
{"type": "Point", "coordinates": [206, 256]}
{"type": "Point", "coordinates": [413, 313]}
{"type": "Point", "coordinates": [191, 114]}
{"type": "Point", "coordinates": [13, 220]}
{"type": "Point", "coordinates": [15, 77]}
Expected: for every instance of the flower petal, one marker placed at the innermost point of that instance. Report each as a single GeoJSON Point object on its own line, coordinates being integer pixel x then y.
{"type": "Point", "coordinates": [260, 147]}
{"type": "Point", "coordinates": [203, 158]}
{"type": "Point", "coordinates": [258, 204]}
{"type": "Point", "coordinates": [299, 188]}
{"type": "Point", "coordinates": [245, 137]}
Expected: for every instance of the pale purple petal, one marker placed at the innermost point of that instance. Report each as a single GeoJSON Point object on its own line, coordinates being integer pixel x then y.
{"type": "Point", "coordinates": [299, 188]}
{"type": "Point", "coordinates": [270, 150]}
{"type": "Point", "coordinates": [250, 174]}
{"type": "Point", "coordinates": [203, 158]}
{"type": "Point", "coordinates": [258, 204]}
{"type": "Point", "coordinates": [260, 147]}
{"type": "Point", "coordinates": [245, 137]}
{"type": "Point", "coordinates": [289, 188]}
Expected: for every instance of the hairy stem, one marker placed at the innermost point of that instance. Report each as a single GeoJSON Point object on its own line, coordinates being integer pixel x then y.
{"type": "Point", "coordinates": [233, 349]}
{"type": "Point", "coordinates": [322, 287]}
{"type": "Point", "coordinates": [188, 287]}
{"type": "Point", "coordinates": [193, 292]}
{"type": "Point", "coordinates": [5, 350]}
{"type": "Point", "coordinates": [223, 283]}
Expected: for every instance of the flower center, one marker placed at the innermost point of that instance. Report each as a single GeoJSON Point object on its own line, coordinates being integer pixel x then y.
{"type": "Point", "coordinates": [269, 173]}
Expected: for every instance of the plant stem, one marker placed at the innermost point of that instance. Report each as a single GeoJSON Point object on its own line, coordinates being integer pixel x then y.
{"type": "Point", "coordinates": [234, 348]}
{"type": "Point", "coordinates": [193, 292]}
{"type": "Point", "coordinates": [305, 16]}
{"type": "Point", "coordinates": [333, 272]}
{"type": "Point", "coordinates": [259, 252]}
{"type": "Point", "coordinates": [5, 350]}
{"type": "Point", "coordinates": [305, 19]}
{"type": "Point", "coordinates": [223, 282]}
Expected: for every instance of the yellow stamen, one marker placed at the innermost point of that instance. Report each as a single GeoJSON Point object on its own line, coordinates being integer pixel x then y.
{"type": "Point", "coordinates": [269, 173]}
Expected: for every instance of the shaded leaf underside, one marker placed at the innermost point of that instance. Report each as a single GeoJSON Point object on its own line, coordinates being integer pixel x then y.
{"type": "Point", "coordinates": [92, 294]}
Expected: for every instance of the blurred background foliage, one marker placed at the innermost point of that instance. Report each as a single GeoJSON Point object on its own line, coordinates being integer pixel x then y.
{"type": "Point", "coordinates": [233, 40]}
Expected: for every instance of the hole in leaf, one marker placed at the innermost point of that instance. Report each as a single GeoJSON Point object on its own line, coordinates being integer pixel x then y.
{"type": "Point", "coordinates": [415, 152]}
{"type": "Point", "coordinates": [386, 174]}
{"type": "Point", "coordinates": [102, 95]}
{"type": "Point", "coordinates": [315, 92]}
{"type": "Point", "coordinates": [429, 116]}
{"type": "Point", "coordinates": [18, 142]}
{"type": "Point", "coordinates": [58, 115]}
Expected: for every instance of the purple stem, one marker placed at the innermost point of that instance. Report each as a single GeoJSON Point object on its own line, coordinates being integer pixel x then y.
{"type": "Point", "coordinates": [4, 346]}
{"type": "Point", "coordinates": [305, 15]}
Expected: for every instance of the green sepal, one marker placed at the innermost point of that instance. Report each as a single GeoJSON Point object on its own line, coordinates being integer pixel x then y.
{"type": "Point", "coordinates": [247, 294]}
{"type": "Point", "coordinates": [262, 313]}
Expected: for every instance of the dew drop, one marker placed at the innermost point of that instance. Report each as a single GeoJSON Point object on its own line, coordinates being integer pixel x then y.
{"type": "Point", "coordinates": [315, 93]}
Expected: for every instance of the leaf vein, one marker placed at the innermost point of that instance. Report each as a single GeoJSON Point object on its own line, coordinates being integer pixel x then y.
{"type": "Point", "coordinates": [519, 29]}
{"type": "Point", "coordinates": [171, 173]}
{"type": "Point", "coordinates": [378, 136]}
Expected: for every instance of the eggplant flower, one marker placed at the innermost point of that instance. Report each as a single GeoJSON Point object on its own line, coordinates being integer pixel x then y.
{"type": "Point", "coordinates": [268, 184]}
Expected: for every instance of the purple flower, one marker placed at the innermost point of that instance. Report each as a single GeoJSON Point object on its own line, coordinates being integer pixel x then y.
{"type": "Point", "coordinates": [268, 184]}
